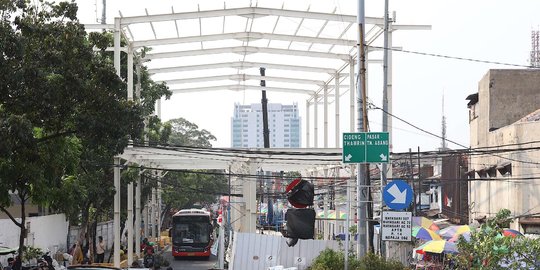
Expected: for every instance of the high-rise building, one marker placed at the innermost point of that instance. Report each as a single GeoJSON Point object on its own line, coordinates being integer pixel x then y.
{"type": "Point", "coordinates": [283, 124]}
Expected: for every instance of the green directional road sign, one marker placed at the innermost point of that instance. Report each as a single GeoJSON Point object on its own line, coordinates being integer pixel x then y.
{"type": "Point", "coordinates": [377, 144]}
{"type": "Point", "coordinates": [365, 147]}
{"type": "Point", "coordinates": [354, 147]}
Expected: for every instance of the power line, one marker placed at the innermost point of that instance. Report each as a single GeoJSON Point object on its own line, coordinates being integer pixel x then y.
{"type": "Point", "coordinates": [456, 143]}
{"type": "Point", "coordinates": [452, 57]}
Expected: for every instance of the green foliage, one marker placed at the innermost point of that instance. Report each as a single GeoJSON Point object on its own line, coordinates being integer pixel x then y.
{"type": "Point", "coordinates": [489, 249]}
{"type": "Point", "coordinates": [330, 259]}
{"type": "Point", "coordinates": [32, 253]}
{"type": "Point", "coordinates": [63, 111]}
{"type": "Point", "coordinates": [185, 189]}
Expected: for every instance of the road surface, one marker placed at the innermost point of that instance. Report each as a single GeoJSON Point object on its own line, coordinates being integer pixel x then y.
{"type": "Point", "coordinates": [190, 263]}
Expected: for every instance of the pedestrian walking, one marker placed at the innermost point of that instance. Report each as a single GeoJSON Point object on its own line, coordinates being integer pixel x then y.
{"type": "Point", "coordinates": [100, 250]}
{"type": "Point", "coordinates": [78, 256]}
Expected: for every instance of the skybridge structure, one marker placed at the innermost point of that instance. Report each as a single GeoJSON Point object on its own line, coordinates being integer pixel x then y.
{"type": "Point", "coordinates": [309, 52]}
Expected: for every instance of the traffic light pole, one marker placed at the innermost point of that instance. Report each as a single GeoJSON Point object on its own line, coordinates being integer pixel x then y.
{"type": "Point", "coordinates": [361, 183]}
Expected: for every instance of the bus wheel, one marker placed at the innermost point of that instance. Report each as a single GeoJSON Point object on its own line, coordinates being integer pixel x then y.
{"type": "Point", "coordinates": [176, 258]}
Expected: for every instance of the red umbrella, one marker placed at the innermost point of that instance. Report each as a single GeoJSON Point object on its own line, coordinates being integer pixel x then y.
{"type": "Point", "coordinates": [511, 233]}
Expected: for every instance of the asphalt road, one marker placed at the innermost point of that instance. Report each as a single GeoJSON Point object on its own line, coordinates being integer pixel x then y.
{"type": "Point", "coordinates": [190, 263]}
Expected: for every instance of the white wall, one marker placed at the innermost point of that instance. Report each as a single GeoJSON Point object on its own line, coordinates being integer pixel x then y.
{"type": "Point", "coordinates": [259, 251]}
{"type": "Point", "coordinates": [46, 232]}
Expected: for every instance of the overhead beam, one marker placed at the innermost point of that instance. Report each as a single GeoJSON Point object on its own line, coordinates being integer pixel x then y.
{"type": "Point", "coordinates": [244, 36]}
{"type": "Point", "coordinates": [410, 27]}
{"type": "Point", "coordinates": [235, 87]}
{"type": "Point", "coordinates": [98, 26]}
{"type": "Point", "coordinates": [247, 50]}
{"type": "Point", "coordinates": [251, 12]}
{"type": "Point", "coordinates": [241, 77]}
{"type": "Point", "coordinates": [241, 65]}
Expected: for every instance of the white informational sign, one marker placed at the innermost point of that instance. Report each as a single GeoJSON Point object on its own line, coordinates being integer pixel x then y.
{"type": "Point", "coordinates": [396, 226]}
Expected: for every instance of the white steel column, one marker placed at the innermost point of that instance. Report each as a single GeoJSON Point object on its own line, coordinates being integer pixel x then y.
{"type": "Point", "coordinates": [336, 209]}
{"type": "Point", "coordinates": [249, 194]}
{"type": "Point", "coordinates": [129, 222]}
{"type": "Point", "coordinates": [117, 45]}
{"type": "Point", "coordinates": [138, 214]}
{"type": "Point", "coordinates": [153, 214]}
{"type": "Point", "coordinates": [325, 112]}
{"type": "Point", "coordinates": [116, 220]}
{"type": "Point", "coordinates": [159, 191]}
{"type": "Point", "coordinates": [316, 120]}
{"type": "Point", "coordinates": [336, 100]}
{"type": "Point", "coordinates": [146, 220]}
{"type": "Point", "coordinates": [158, 108]}
{"type": "Point", "coordinates": [352, 90]}
{"type": "Point", "coordinates": [307, 124]}
{"type": "Point", "coordinates": [325, 205]}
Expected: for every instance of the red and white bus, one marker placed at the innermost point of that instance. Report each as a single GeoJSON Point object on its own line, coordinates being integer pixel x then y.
{"type": "Point", "coordinates": [192, 233]}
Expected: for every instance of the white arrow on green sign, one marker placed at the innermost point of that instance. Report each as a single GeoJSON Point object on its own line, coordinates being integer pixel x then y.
{"type": "Point", "coordinates": [366, 147]}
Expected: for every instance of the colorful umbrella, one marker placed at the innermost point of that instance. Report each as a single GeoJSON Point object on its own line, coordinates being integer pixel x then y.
{"type": "Point", "coordinates": [425, 234]}
{"type": "Point", "coordinates": [331, 214]}
{"type": "Point", "coordinates": [454, 230]}
{"type": "Point", "coordinates": [425, 222]}
{"type": "Point", "coordinates": [512, 233]}
{"type": "Point", "coordinates": [437, 246]}
{"type": "Point", "coordinates": [466, 236]}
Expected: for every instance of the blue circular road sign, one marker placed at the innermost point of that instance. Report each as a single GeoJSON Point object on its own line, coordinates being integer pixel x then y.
{"type": "Point", "coordinates": [397, 195]}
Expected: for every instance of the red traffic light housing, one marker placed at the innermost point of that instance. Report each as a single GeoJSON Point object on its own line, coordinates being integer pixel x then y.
{"type": "Point", "coordinates": [300, 193]}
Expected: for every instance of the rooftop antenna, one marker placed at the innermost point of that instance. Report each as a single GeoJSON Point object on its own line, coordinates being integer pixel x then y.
{"type": "Point", "coordinates": [444, 145]}
{"type": "Point", "coordinates": [535, 51]}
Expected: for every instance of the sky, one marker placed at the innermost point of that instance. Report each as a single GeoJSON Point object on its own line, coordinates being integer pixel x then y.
{"type": "Point", "coordinates": [488, 30]}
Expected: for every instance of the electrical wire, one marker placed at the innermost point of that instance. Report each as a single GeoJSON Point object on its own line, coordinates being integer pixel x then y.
{"type": "Point", "coordinates": [452, 57]}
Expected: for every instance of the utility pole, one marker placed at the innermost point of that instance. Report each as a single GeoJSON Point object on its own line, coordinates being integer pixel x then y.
{"type": "Point", "coordinates": [385, 116]}
{"type": "Point", "coordinates": [104, 13]}
{"type": "Point", "coordinates": [361, 187]}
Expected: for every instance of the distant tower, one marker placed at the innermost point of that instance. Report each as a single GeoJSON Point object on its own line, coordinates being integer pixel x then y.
{"type": "Point", "coordinates": [444, 146]}
{"type": "Point", "coordinates": [535, 51]}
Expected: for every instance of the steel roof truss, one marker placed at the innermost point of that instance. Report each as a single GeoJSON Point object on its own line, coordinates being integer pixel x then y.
{"type": "Point", "coordinates": [243, 36]}
{"type": "Point", "coordinates": [250, 12]}
{"type": "Point", "coordinates": [248, 50]}
{"type": "Point", "coordinates": [241, 65]}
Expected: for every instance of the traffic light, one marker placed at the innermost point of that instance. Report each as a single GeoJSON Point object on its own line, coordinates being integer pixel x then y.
{"type": "Point", "coordinates": [300, 220]}
{"type": "Point", "coordinates": [300, 193]}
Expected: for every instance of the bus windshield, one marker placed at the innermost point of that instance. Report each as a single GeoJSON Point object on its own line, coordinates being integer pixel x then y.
{"type": "Point", "coordinates": [191, 230]}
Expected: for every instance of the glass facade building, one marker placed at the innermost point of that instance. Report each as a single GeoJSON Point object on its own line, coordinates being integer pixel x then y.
{"type": "Point", "coordinates": [283, 124]}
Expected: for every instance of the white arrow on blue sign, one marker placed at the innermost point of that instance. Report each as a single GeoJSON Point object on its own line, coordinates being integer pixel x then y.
{"type": "Point", "coordinates": [397, 195]}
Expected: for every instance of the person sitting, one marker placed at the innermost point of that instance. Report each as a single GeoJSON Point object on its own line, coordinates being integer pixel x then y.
{"type": "Point", "coordinates": [149, 259]}
{"type": "Point", "coordinates": [10, 262]}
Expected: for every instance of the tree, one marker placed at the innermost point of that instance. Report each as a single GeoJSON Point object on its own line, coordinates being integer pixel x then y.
{"type": "Point", "coordinates": [330, 259]}
{"type": "Point", "coordinates": [489, 249]}
{"type": "Point", "coordinates": [184, 189]}
{"type": "Point", "coordinates": [61, 106]}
